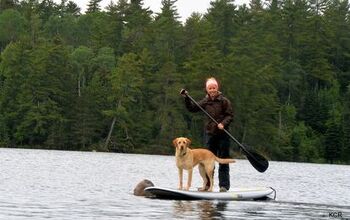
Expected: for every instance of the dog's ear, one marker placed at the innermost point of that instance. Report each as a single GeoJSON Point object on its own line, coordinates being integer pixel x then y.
{"type": "Point", "coordinates": [188, 141]}
{"type": "Point", "coordinates": [174, 142]}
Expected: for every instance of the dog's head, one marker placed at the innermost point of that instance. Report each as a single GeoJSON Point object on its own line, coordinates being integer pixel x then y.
{"type": "Point", "coordinates": [181, 143]}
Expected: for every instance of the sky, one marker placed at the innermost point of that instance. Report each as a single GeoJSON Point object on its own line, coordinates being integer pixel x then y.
{"type": "Point", "coordinates": [184, 7]}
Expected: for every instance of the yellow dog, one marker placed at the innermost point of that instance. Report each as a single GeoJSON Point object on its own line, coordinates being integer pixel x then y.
{"type": "Point", "coordinates": [187, 159]}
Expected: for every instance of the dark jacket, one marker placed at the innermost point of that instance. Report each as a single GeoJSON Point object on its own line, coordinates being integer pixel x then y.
{"type": "Point", "coordinates": [220, 109]}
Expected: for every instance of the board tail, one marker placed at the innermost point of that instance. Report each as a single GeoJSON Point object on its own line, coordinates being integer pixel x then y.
{"type": "Point", "coordinates": [224, 161]}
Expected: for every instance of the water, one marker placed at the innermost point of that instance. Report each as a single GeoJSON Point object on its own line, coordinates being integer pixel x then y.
{"type": "Point", "coordinates": [41, 184]}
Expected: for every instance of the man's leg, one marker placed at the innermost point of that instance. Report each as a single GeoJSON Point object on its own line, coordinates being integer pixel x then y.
{"type": "Point", "coordinates": [212, 145]}
{"type": "Point", "coordinates": [224, 169]}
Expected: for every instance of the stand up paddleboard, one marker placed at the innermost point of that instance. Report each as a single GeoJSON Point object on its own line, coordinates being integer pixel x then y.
{"type": "Point", "coordinates": [258, 193]}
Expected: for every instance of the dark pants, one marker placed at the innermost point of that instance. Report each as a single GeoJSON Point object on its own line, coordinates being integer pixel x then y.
{"type": "Point", "coordinates": [220, 146]}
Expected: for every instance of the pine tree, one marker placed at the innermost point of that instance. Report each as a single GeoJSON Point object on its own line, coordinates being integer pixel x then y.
{"type": "Point", "coordinates": [333, 142]}
{"type": "Point", "coordinates": [126, 81]}
{"type": "Point", "coordinates": [338, 36]}
{"type": "Point", "coordinates": [137, 25]}
{"type": "Point", "coordinates": [73, 9]}
{"type": "Point", "coordinates": [93, 6]}
{"type": "Point", "coordinates": [12, 26]}
{"type": "Point", "coordinates": [221, 17]}
{"type": "Point", "coordinates": [117, 16]}
{"type": "Point", "coordinates": [8, 4]}
{"type": "Point", "coordinates": [345, 153]}
{"type": "Point", "coordinates": [15, 65]}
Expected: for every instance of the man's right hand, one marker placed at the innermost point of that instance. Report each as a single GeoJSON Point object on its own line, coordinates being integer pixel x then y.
{"type": "Point", "coordinates": [183, 92]}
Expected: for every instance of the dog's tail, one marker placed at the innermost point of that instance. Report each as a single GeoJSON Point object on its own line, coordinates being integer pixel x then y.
{"type": "Point", "coordinates": [224, 161]}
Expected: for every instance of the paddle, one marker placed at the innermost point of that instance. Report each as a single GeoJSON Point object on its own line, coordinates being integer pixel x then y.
{"type": "Point", "coordinates": [257, 161]}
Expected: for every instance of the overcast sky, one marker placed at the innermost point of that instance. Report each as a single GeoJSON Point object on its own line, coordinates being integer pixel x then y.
{"type": "Point", "coordinates": [184, 7]}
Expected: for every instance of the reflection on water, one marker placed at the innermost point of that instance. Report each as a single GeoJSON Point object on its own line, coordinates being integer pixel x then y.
{"type": "Point", "coordinates": [205, 209]}
{"type": "Point", "coordinates": [41, 184]}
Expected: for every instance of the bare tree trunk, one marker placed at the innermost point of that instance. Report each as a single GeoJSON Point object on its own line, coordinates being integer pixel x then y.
{"type": "Point", "coordinates": [112, 127]}
{"type": "Point", "coordinates": [79, 94]}
{"type": "Point", "coordinates": [244, 133]}
{"type": "Point", "coordinates": [279, 123]}
{"type": "Point", "coordinates": [110, 133]}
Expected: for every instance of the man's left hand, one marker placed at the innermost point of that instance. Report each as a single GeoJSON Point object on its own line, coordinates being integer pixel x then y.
{"type": "Point", "coordinates": [221, 126]}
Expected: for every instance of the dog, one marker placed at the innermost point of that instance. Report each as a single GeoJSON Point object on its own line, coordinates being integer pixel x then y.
{"type": "Point", "coordinates": [187, 159]}
{"type": "Point", "coordinates": [139, 190]}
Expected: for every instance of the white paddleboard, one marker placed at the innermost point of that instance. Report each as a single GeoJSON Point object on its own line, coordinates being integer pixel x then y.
{"type": "Point", "coordinates": [254, 193]}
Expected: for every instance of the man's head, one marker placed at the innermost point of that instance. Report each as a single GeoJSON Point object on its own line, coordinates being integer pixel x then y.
{"type": "Point", "coordinates": [212, 87]}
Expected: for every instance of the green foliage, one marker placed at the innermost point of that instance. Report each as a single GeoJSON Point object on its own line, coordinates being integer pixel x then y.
{"type": "Point", "coordinates": [109, 80]}
{"type": "Point", "coordinates": [93, 6]}
{"type": "Point", "coordinates": [345, 153]}
{"type": "Point", "coordinates": [12, 25]}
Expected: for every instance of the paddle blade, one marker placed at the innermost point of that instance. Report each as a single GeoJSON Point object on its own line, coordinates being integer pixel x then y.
{"type": "Point", "coordinates": [258, 161]}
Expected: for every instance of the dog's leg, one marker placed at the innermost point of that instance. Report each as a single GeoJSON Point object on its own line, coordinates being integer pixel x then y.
{"type": "Point", "coordinates": [189, 180]}
{"type": "Point", "coordinates": [203, 175]}
{"type": "Point", "coordinates": [180, 178]}
{"type": "Point", "coordinates": [210, 173]}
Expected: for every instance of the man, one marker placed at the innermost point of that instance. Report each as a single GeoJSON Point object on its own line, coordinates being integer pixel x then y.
{"type": "Point", "coordinates": [218, 142]}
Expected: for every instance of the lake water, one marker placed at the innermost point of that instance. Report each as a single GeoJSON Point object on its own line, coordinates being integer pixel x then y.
{"type": "Point", "coordinates": [42, 184]}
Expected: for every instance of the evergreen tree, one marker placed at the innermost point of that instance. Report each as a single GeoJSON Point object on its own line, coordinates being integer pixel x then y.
{"type": "Point", "coordinates": [46, 9]}
{"type": "Point", "coordinates": [315, 112]}
{"type": "Point", "coordinates": [221, 17]}
{"type": "Point", "coordinates": [338, 36]}
{"type": "Point", "coordinates": [345, 153]}
{"type": "Point", "coordinates": [15, 63]}
{"type": "Point", "coordinates": [8, 4]}
{"type": "Point", "coordinates": [126, 82]}
{"type": "Point", "coordinates": [93, 6]}
{"type": "Point", "coordinates": [73, 9]}
{"type": "Point", "coordinates": [12, 26]}
{"type": "Point", "coordinates": [333, 142]}
{"type": "Point", "coordinates": [137, 26]}
{"type": "Point", "coordinates": [117, 16]}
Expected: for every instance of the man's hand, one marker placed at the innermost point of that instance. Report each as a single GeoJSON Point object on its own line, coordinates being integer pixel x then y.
{"type": "Point", "coordinates": [183, 92]}
{"type": "Point", "coordinates": [221, 126]}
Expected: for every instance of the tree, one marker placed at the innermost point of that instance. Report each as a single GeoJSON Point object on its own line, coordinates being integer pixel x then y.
{"type": "Point", "coordinates": [8, 4]}
{"type": "Point", "coordinates": [93, 30]}
{"type": "Point", "coordinates": [221, 17]}
{"type": "Point", "coordinates": [29, 10]}
{"type": "Point", "coordinates": [12, 26]}
{"type": "Point", "coordinates": [338, 32]}
{"type": "Point", "coordinates": [126, 81]}
{"type": "Point", "coordinates": [345, 153]}
{"type": "Point", "coordinates": [81, 58]}
{"type": "Point", "coordinates": [93, 6]}
{"type": "Point", "coordinates": [46, 9]}
{"type": "Point", "coordinates": [333, 142]}
{"type": "Point", "coordinates": [73, 9]}
{"type": "Point", "coordinates": [304, 143]}
{"type": "Point", "coordinates": [137, 25]}
{"type": "Point", "coordinates": [117, 19]}
{"type": "Point", "coordinates": [15, 63]}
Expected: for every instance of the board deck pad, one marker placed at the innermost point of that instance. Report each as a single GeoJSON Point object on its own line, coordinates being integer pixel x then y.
{"type": "Point", "coordinates": [253, 193]}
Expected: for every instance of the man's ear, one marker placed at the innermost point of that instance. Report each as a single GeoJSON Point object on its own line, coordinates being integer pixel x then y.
{"type": "Point", "coordinates": [175, 142]}
{"type": "Point", "coordinates": [188, 141]}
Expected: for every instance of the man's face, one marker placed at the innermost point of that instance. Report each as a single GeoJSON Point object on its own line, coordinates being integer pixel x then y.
{"type": "Point", "coordinates": [212, 90]}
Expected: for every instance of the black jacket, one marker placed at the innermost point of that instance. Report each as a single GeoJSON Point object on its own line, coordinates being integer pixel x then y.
{"type": "Point", "coordinates": [220, 109]}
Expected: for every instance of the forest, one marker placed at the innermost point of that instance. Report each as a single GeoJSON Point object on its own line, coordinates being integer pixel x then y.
{"type": "Point", "coordinates": [109, 79]}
